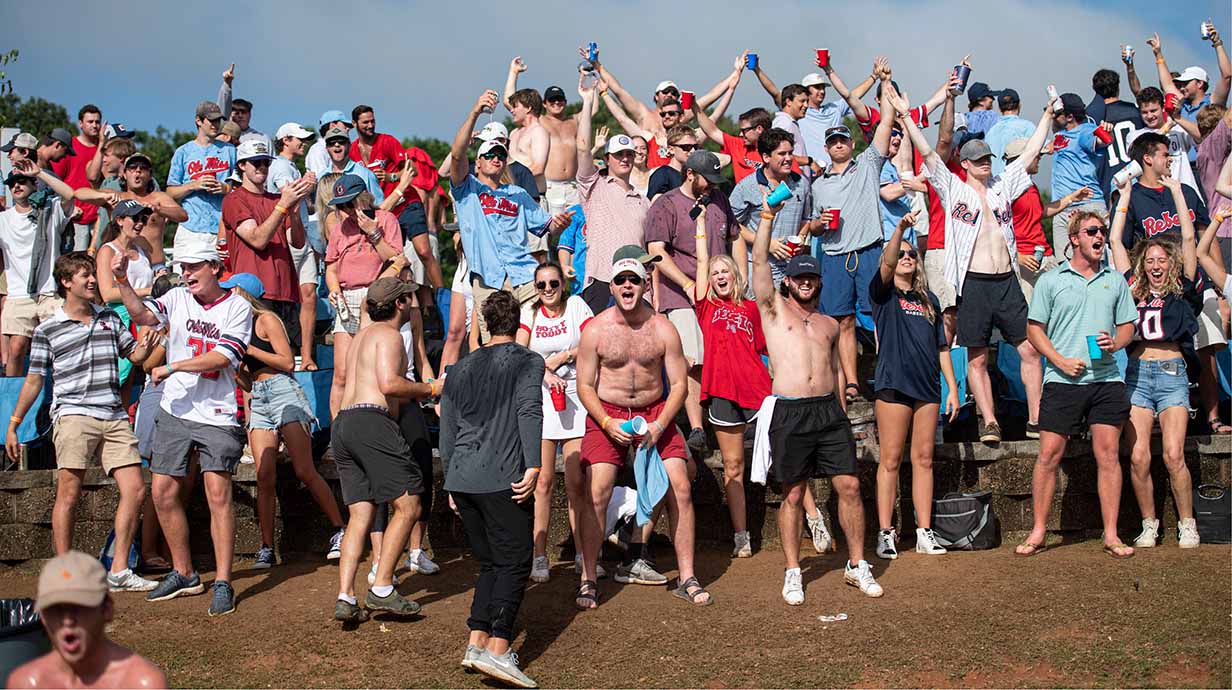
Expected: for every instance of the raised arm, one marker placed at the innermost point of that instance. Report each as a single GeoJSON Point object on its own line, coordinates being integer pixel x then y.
{"type": "Point", "coordinates": [893, 249]}
{"type": "Point", "coordinates": [768, 84]}
{"type": "Point", "coordinates": [57, 185]}
{"type": "Point", "coordinates": [1116, 231]}
{"type": "Point", "coordinates": [1219, 92]}
{"type": "Point", "coordinates": [725, 86]}
{"type": "Point", "coordinates": [585, 163]}
{"type": "Point", "coordinates": [725, 97]}
{"type": "Point", "coordinates": [1206, 256]}
{"type": "Point", "coordinates": [899, 103]}
{"type": "Point", "coordinates": [858, 109]}
{"type": "Point", "coordinates": [881, 136]}
{"type": "Point", "coordinates": [1165, 76]}
{"type": "Point", "coordinates": [94, 168]}
{"type": "Point", "coordinates": [762, 279]}
{"type": "Point", "coordinates": [1035, 144]}
{"type": "Point", "coordinates": [708, 127]}
{"type": "Point", "coordinates": [461, 168]}
{"type": "Point", "coordinates": [516, 67]}
{"type": "Point", "coordinates": [1189, 254]}
{"type": "Point", "coordinates": [635, 107]}
{"type": "Point", "coordinates": [626, 123]}
{"type": "Point", "coordinates": [1131, 74]}
{"type": "Point", "coordinates": [945, 129]}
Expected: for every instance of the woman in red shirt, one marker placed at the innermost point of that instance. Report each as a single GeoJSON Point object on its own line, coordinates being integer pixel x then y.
{"type": "Point", "coordinates": [734, 378]}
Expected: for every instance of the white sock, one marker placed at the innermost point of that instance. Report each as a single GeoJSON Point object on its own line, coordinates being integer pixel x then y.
{"type": "Point", "coordinates": [122, 573]}
{"type": "Point", "coordinates": [415, 553]}
{"type": "Point", "coordinates": [382, 590]}
{"type": "Point", "coordinates": [347, 598]}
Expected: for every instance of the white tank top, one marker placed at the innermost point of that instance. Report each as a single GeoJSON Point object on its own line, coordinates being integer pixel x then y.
{"type": "Point", "coordinates": [140, 272]}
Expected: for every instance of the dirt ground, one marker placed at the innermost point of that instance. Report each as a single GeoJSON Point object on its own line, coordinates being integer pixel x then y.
{"type": "Point", "coordinates": [1068, 617]}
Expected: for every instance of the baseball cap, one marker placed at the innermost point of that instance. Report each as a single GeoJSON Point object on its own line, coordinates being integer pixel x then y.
{"type": "Point", "coordinates": [332, 116]}
{"type": "Point", "coordinates": [1008, 99]}
{"type": "Point", "coordinates": [490, 145]}
{"type": "Point", "coordinates": [253, 149]}
{"type": "Point", "coordinates": [23, 139]}
{"type": "Point", "coordinates": [979, 91]}
{"type": "Point", "coordinates": [802, 265]}
{"type": "Point", "coordinates": [1073, 104]}
{"type": "Point", "coordinates": [208, 110]}
{"type": "Point", "coordinates": [553, 92]}
{"type": "Point", "coordinates": [129, 208]}
{"type": "Point", "coordinates": [618, 143]}
{"type": "Point", "coordinates": [347, 188]}
{"type": "Point", "coordinates": [230, 129]}
{"type": "Point", "coordinates": [974, 150]}
{"type": "Point", "coordinates": [71, 578]}
{"type": "Point", "coordinates": [115, 130]}
{"type": "Point", "coordinates": [14, 176]}
{"type": "Point", "coordinates": [636, 252]}
{"type": "Point", "coordinates": [1191, 73]}
{"type": "Point", "coordinates": [64, 137]}
{"type": "Point", "coordinates": [493, 130]}
{"type": "Point", "coordinates": [1014, 149]}
{"type": "Point", "coordinates": [387, 289]}
{"type": "Point", "coordinates": [337, 132]}
{"type": "Point", "coordinates": [666, 84]}
{"type": "Point", "coordinates": [293, 129]}
{"type": "Point", "coordinates": [138, 158]}
{"type": "Point", "coordinates": [247, 282]}
{"type": "Point", "coordinates": [838, 131]}
{"type": "Point", "coordinates": [196, 255]}
{"type": "Point", "coordinates": [813, 79]}
{"type": "Point", "coordinates": [706, 164]}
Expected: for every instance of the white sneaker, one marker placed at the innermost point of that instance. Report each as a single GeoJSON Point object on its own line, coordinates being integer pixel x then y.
{"type": "Point", "coordinates": [793, 587]}
{"type": "Point", "coordinates": [862, 576]}
{"type": "Point", "coordinates": [1187, 534]}
{"type": "Point", "coordinates": [418, 563]}
{"type": "Point", "coordinates": [539, 571]}
{"type": "Point", "coordinates": [822, 541]}
{"type": "Point", "coordinates": [743, 549]}
{"type": "Point", "coordinates": [128, 581]}
{"type": "Point", "coordinates": [886, 540]}
{"type": "Point", "coordinates": [372, 576]}
{"type": "Point", "coordinates": [926, 542]}
{"type": "Point", "coordinates": [1150, 533]}
{"type": "Point", "coordinates": [599, 571]}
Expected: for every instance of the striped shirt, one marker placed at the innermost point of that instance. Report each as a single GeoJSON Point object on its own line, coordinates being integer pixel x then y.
{"type": "Point", "coordinates": [83, 362]}
{"type": "Point", "coordinates": [614, 218]}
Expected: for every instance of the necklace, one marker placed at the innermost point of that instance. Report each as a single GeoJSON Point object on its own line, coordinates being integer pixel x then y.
{"type": "Point", "coordinates": [803, 318]}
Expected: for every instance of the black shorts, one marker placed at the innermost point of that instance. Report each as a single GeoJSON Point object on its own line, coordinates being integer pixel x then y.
{"type": "Point", "coordinates": [415, 432]}
{"type": "Point", "coordinates": [373, 460]}
{"type": "Point", "coordinates": [991, 299]}
{"type": "Point", "coordinates": [724, 412]}
{"type": "Point", "coordinates": [289, 313]}
{"type": "Point", "coordinates": [810, 437]}
{"type": "Point", "coordinates": [597, 296]}
{"type": "Point", "coordinates": [897, 397]}
{"type": "Point", "coordinates": [1065, 408]}
{"type": "Point", "coordinates": [412, 221]}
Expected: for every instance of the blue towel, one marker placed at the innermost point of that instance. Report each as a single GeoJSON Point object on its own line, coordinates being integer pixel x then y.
{"type": "Point", "coordinates": [652, 483]}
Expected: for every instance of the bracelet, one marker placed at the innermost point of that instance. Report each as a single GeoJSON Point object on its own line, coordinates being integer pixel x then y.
{"type": "Point", "coordinates": [603, 424]}
{"type": "Point", "coordinates": [281, 210]}
{"type": "Point", "coordinates": [700, 236]}
{"type": "Point", "coordinates": [1159, 61]}
{"type": "Point", "coordinates": [656, 423]}
{"type": "Point", "coordinates": [170, 367]}
{"type": "Point", "coordinates": [1121, 209]}
{"type": "Point", "coordinates": [767, 216]}
{"type": "Point", "coordinates": [15, 419]}
{"type": "Point", "coordinates": [122, 280]}
{"type": "Point", "coordinates": [374, 238]}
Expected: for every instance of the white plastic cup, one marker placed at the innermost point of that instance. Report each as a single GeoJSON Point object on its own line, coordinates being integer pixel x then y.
{"type": "Point", "coordinates": [1129, 172]}
{"type": "Point", "coordinates": [1057, 106]}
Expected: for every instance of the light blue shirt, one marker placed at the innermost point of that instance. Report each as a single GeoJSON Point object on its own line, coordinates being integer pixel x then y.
{"type": "Point", "coordinates": [1075, 162]}
{"type": "Point", "coordinates": [815, 123]}
{"type": "Point", "coordinates": [283, 172]}
{"type": "Point", "coordinates": [1007, 129]}
{"type": "Point", "coordinates": [981, 120]}
{"type": "Point", "coordinates": [494, 223]}
{"type": "Point", "coordinates": [893, 211]}
{"type": "Point", "coordinates": [1190, 112]}
{"type": "Point", "coordinates": [574, 240]}
{"type": "Point", "coordinates": [193, 161]}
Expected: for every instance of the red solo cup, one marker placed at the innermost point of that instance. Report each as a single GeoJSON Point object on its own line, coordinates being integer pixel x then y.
{"type": "Point", "coordinates": [558, 398]}
{"type": "Point", "coordinates": [823, 57]}
{"type": "Point", "coordinates": [686, 100]}
{"type": "Point", "coordinates": [1104, 136]}
{"type": "Point", "coordinates": [1170, 102]}
{"type": "Point", "coordinates": [794, 244]}
{"type": "Point", "coordinates": [834, 218]}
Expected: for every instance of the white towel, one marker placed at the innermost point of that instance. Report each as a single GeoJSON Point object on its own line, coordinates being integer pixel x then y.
{"type": "Point", "coordinates": [761, 441]}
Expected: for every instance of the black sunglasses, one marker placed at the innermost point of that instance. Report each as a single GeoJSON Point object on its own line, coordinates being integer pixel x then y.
{"type": "Point", "coordinates": [751, 127]}
{"type": "Point", "coordinates": [259, 163]}
{"type": "Point", "coordinates": [545, 284]}
{"type": "Point", "coordinates": [141, 218]}
{"type": "Point", "coordinates": [499, 155]}
{"type": "Point", "coordinates": [909, 254]}
{"type": "Point", "coordinates": [1096, 230]}
{"type": "Point", "coordinates": [667, 113]}
{"type": "Point", "coordinates": [627, 278]}
{"type": "Point", "coordinates": [556, 100]}
{"type": "Point", "coordinates": [687, 148]}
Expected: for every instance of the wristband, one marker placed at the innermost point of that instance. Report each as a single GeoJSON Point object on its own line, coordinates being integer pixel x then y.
{"type": "Point", "coordinates": [15, 419]}
{"type": "Point", "coordinates": [700, 236]}
{"type": "Point", "coordinates": [603, 424]}
{"type": "Point", "coordinates": [1122, 209]}
{"type": "Point", "coordinates": [1159, 61]}
{"type": "Point", "coordinates": [122, 280]}
{"type": "Point", "coordinates": [281, 210]}
{"type": "Point", "coordinates": [656, 423]}
{"type": "Point", "coordinates": [767, 216]}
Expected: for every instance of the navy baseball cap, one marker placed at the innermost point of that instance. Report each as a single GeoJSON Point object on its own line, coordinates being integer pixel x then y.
{"type": "Point", "coordinates": [1072, 104]}
{"type": "Point", "coordinates": [979, 91]}
{"type": "Point", "coordinates": [802, 265]}
{"type": "Point", "coordinates": [1008, 99]}
{"type": "Point", "coordinates": [553, 92]}
{"type": "Point", "coordinates": [347, 188]}
{"type": "Point", "coordinates": [129, 207]}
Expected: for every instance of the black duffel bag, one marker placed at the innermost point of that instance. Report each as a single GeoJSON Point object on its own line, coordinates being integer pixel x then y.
{"type": "Point", "coordinates": [22, 636]}
{"type": "Point", "coordinates": [965, 522]}
{"type": "Point", "coordinates": [1213, 510]}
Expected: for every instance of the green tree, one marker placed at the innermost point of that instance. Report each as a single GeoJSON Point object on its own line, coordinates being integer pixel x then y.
{"type": "Point", "coordinates": [33, 115]}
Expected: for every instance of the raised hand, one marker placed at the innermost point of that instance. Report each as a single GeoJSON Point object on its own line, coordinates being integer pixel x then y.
{"type": "Point", "coordinates": [516, 65]}
{"type": "Point", "coordinates": [487, 102]}
{"type": "Point", "coordinates": [229, 75]}
{"type": "Point", "coordinates": [119, 264]}
{"type": "Point", "coordinates": [1156, 46]}
{"type": "Point", "coordinates": [741, 61]}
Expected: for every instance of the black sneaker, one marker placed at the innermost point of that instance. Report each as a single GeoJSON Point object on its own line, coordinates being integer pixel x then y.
{"type": "Point", "coordinates": [224, 599]}
{"type": "Point", "coordinates": [347, 612]}
{"type": "Point", "coordinates": [990, 433]}
{"type": "Point", "coordinates": [176, 585]}
{"type": "Point", "coordinates": [697, 440]}
{"type": "Point", "coordinates": [1032, 430]}
{"type": "Point", "coordinates": [393, 603]}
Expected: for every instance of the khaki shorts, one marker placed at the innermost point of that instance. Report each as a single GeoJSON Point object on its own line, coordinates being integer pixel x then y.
{"type": "Point", "coordinates": [1210, 324]}
{"type": "Point", "coordinates": [81, 442]}
{"type": "Point", "coordinates": [1026, 279]}
{"type": "Point", "coordinates": [934, 271]}
{"type": "Point", "coordinates": [355, 298]}
{"type": "Point", "coordinates": [685, 321]}
{"type": "Point", "coordinates": [22, 314]}
{"type": "Point", "coordinates": [305, 261]}
{"type": "Point", "coordinates": [4, 283]}
{"type": "Point", "coordinates": [524, 294]}
{"type": "Point", "coordinates": [560, 196]}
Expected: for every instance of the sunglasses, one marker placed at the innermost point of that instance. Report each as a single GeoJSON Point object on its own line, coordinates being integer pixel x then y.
{"type": "Point", "coordinates": [259, 163]}
{"type": "Point", "coordinates": [909, 254]}
{"type": "Point", "coordinates": [669, 113]}
{"type": "Point", "coordinates": [627, 278]}
{"type": "Point", "coordinates": [498, 155]}
{"type": "Point", "coordinates": [687, 148]}
{"type": "Point", "coordinates": [214, 120]}
{"type": "Point", "coordinates": [545, 284]}
{"type": "Point", "coordinates": [1096, 230]}
{"type": "Point", "coordinates": [556, 100]}
{"type": "Point", "coordinates": [337, 142]}
{"type": "Point", "coordinates": [670, 90]}
{"type": "Point", "coordinates": [142, 218]}
{"type": "Point", "coordinates": [896, 133]}
{"type": "Point", "coordinates": [746, 129]}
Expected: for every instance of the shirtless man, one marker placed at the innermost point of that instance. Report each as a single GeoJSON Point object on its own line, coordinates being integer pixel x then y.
{"type": "Point", "coordinates": [557, 179]}
{"type": "Point", "coordinates": [137, 178]}
{"type": "Point", "coordinates": [648, 118]}
{"type": "Point", "coordinates": [809, 434]}
{"type": "Point", "coordinates": [374, 462]}
{"type": "Point", "coordinates": [75, 607]}
{"type": "Point", "coordinates": [530, 143]}
{"type": "Point", "coordinates": [620, 361]}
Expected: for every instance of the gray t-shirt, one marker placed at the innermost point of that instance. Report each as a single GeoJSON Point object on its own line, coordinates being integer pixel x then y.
{"type": "Point", "coordinates": [746, 203]}
{"type": "Point", "coordinates": [856, 193]}
{"type": "Point", "coordinates": [491, 418]}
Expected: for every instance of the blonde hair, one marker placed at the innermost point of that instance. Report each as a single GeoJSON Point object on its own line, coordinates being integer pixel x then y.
{"type": "Point", "coordinates": [1141, 283]}
{"type": "Point", "coordinates": [738, 285]}
{"type": "Point", "coordinates": [919, 286]}
{"type": "Point", "coordinates": [325, 194]}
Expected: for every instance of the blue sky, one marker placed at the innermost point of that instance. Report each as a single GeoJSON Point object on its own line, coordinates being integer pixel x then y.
{"type": "Point", "coordinates": [421, 65]}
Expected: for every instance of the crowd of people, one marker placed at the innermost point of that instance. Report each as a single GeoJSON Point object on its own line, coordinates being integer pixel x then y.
{"type": "Point", "coordinates": [584, 321]}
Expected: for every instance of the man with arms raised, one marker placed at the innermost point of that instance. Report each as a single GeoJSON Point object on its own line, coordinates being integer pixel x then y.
{"type": "Point", "coordinates": [809, 433]}
{"type": "Point", "coordinates": [138, 185]}
{"type": "Point", "coordinates": [620, 364]}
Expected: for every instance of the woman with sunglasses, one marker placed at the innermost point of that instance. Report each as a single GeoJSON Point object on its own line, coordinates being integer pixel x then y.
{"type": "Point", "coordinates": [912, 356]}
{"type": "Point", "coordinates": [735, 381]}
{"type": "Point", "coordinates": [552, 326]}
{"type": "Point", "coordinates": [1161, 280]}
{"type": "Point", "coordinates": [123, 236]}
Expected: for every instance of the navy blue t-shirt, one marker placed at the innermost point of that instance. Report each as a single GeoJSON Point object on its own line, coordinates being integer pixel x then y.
{"type": "Point", "coordinates": [1152, 213]}
{"type": "Point", "coordinates": [1125, 119]}
{"type": "Point", "coordinates": [665, 178]}
{"type": "Point", "coordinates": [907, 343]}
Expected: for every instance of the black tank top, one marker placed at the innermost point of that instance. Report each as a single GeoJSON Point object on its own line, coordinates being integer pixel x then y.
{"type": "Point", "coordinates": [252, 363]}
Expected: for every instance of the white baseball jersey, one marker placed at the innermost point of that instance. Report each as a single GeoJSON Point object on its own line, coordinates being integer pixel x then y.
{"type": "Point", "coordinates": [195, 329]}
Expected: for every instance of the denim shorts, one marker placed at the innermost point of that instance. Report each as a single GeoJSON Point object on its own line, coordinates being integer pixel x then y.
{"type": "Point", "coordinates": [1157, 384]}
{"type": "Point", "coordinates": [278, 401]}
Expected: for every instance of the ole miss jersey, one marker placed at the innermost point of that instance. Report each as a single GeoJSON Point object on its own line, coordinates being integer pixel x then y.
{"type": "Point", "coordinates": [1152, 213]}
{"type": "Point", "coordinates": [194, 329]}
{"type": "Point", "coordinates": [1169, 318]}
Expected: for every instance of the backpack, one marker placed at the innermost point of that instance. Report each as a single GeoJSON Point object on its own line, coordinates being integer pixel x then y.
{"type": "Point", "coordinates": [107, 554]}
{"type": "Point", "coordinates": [965, 522]}
{"type": "Point", "coordinates": [1213, 510]}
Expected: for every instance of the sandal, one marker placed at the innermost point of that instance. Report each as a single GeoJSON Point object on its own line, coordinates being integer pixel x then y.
{"type": "Point", "coordinates": [1217, 427]}
{"type": "Point", "coordinates": [851, 397]}
{"type": "Point", "coordinates": [682, 592]}
{"type": "Point", "coordinates": [1119, 550]}
{"type": "Point", "coordinates": [155, 565]}
{"type": "Point", "coordinates": [1028, 549]}
{"type": "Point", "coordinates": [587, 597]}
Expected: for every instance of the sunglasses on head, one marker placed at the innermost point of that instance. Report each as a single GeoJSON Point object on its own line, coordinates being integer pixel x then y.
{"type": "Point", "coordinates": [545, 284]}
{"type": "Point", "coordinates": [1096, 230]}
{"type": "Point", "coordinates": [497, 155]}
{"type": "Point", "coordinates": [627, 278]}
{"type": "Point", "coordinates": [909, 254]}
{"type": "Point", "coordinates": [669, 113]}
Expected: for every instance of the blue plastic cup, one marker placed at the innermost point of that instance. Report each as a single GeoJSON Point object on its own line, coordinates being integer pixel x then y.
{"type": "Point", "coordinates": [750, 61]}
{"type": "Point", "coordinates": [1094, 351]}
{"type": "Point", "coordinates": [635, 427]}
{"type": "Point", "coordinates": [780, 194]}
{"type": "Point", "coordinates": [592, 51]}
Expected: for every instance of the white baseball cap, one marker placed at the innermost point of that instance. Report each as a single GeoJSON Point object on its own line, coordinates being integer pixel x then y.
{"type": "Point", "coordinates": [491, 144]}
{"type": "Point", "coordinates": [293, 129]}
{"type": "Point", "coordinates": [1191, 73]}
{"type": "Point", "coordinates": [195, 255]}
{"type": "Point", "coordinates": [666, 84]}
{"type": "Point", "coordinates": [253, 149]}
{"type": "Point", "coordinates": [813, 79]}
{"type": "Point", "coordinates": [493, 130]}
{"type": "Point", "coordinates": [620, 142]}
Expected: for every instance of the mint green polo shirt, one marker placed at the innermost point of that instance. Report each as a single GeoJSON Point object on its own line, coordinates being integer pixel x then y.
{"type": "Point", "coordinates": [1071, 307]}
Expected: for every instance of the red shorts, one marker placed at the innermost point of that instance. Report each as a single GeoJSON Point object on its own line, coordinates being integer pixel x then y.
{"type": "Point", "coordinates": [598, 447]}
